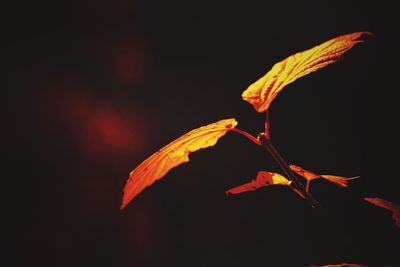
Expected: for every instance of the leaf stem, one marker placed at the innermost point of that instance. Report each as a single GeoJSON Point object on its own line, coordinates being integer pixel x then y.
{"type": "Point", "coordinates": [247, 135]}
{"type": "Point", "coordinates": [266, 143]}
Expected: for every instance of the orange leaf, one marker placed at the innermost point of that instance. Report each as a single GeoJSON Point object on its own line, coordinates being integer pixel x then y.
{"type": "Point", "coordinates": [263, 179]}
{"type": "Point", "coordinates": [338, 180]}
{"type": "Point", "coordinates": [175, 153]}
{"type": "Point", "coordinates": [387, 205]}
{"type": "Point", "coordinates": [261, 93]}
{"type": "Point", "coordinates": [304, 173]}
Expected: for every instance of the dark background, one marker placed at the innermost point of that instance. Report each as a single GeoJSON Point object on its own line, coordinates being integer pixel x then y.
{"type": "Point", "coordinates": [92, 88]}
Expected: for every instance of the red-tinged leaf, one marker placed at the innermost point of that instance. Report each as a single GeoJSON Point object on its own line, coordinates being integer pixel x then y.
{"type": "Point", "coordinates": [309, 176]}
{"type": "Point", "coordinates": [263, 179]}
{"type": "Point", "coordinates": [338, 180]}
{"type": "Point", "coordinates": [395, 209]}
{"type": "Point", "coordinates": [261, 93]}
{"type": "Point", "coordinates": [175, 153]}
{"type": "Point", "coordinates": [304, 173]}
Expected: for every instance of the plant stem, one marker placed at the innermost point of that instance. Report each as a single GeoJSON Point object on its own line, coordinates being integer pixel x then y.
{"type": "Point", "coordinates": [261, 140]}
{"type": "Point", "coordinates": [266, 126]}
{"type": "Point", "coordinates": [289, 173]}
{"type": "Point", "coordinates": [246, 134]}
{"type": "Point", "coordinates": [297, 186]}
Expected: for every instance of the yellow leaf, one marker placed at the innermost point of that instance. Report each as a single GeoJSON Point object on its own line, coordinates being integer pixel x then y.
{"type": "Point", "coordinates": [261, 93]}
{"type": "Point", "coordinates": [175, 153]}
{"type": "Point", "coordinates": [387, 205]}
{"type": "Point", "coordinates": [263, 179]}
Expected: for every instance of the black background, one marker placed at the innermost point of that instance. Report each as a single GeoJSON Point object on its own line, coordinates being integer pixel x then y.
{"type": "Point", "coordinates": [94, 87]}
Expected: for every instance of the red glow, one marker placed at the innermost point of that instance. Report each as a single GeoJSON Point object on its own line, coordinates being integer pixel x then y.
{"type": "Point", "coordinates": [101, 126]}
{"type": "Point", "coordinates": [106, 128]}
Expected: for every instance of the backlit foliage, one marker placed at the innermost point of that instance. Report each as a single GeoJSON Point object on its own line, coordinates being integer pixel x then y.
{"type": "Point", "coordinates": [260, 94]}
{"type": "Point", "coordinates": [175, 153]}
{"type": "Point", "coordinates": [263, 179]}
{"type": "Point", "coordinates": [309, 176]}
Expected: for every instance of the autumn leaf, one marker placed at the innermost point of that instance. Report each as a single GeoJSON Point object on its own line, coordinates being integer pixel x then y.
{"type": "Point", "coordinates": [175, 153]}
{"type": "Point", "coordinates": [302, 172]}
{"type": "Point", "coordinates": [309, 176]}
{"type": "Point", "coordinates": [263, 179]}
{"type": "Point", "coordinates": [395, 209]}
{"type": "Point", "coordinates": [261, 93]}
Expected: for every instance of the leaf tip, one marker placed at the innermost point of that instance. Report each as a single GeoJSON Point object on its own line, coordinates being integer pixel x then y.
{"type": "Point", "coordinates": [124, 202]}
{"type": "Point", "coordinates": [233, 124]}
{"type": "Point", "coordinates": [368, 33]}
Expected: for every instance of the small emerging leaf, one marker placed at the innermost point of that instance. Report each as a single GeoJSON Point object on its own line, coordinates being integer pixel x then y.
{"type": "Point", "coordinates": [395, 209]}
{"type": "Point", "coordinates": [175, 153]}
{"type": "Point", "coordinates": [304, 173]}
{"type": "Point", "coordinates": [263, 179]}
{"type": "Point", "coordinates": [261, 93]}
{"type": "Point", "coordinates": [309, 176]}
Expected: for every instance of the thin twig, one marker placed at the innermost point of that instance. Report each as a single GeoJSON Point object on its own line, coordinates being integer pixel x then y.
{"type": "Point", "coordinates": [266, 143]}
{"type": "Point", "coordinates": [289, 173]}
{"type": "Point", "coordinates": [247, 135]}
{"type": "Point", "coordinates": [267, 126]}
